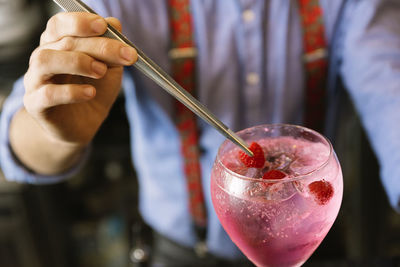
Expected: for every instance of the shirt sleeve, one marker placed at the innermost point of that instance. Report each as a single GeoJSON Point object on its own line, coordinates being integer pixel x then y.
{"type": "Point", "coordinates": [13, 169]}
{"type": "Point", "coordinates": [371, 72]}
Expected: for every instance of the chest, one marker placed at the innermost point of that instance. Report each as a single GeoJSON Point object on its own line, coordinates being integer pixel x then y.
{"type": "Point", "coordinates": [249, 50]}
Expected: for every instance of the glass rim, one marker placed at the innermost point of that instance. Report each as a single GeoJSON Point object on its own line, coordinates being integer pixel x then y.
{"type": "Point", "coordinates": [274, 181]}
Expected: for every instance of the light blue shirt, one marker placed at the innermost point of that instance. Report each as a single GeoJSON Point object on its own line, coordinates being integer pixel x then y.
{"type": "Point", "coordinates": [249, 72]}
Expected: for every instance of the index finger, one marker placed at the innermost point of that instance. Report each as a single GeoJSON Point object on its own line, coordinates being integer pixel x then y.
{"type": "Point", "coordinates": [77, 24]}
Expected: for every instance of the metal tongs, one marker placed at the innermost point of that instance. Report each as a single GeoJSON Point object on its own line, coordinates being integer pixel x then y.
{"type": "Point", "coordinates": [155, 73]}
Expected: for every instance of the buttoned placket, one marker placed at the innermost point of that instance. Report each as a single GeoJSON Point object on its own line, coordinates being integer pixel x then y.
{"type": "Point", "coordinates": [252, 30]}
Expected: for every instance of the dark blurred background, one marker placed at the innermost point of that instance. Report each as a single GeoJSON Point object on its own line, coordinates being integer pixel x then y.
{"type": "Point", "coordinates": [92, 219]}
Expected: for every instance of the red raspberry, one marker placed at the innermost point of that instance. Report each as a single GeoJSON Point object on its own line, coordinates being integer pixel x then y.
{"type": "Point", "coordinates": [258, 159]}
{"type": "Point", "coordinates": [322, 191]}
{"type": "Point", "coordinates": [274, 175]}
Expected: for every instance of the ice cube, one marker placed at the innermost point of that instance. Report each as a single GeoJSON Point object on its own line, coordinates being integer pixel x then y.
{"type": "Point", "coordinates": [299, 186]}
{"type": "Point", "coordinates": [291, 214]}
{"type": "Point", "coordinates": [253, 173]}
{"type": "Point", "coordinates": [281, 191]}
{"type": "Point", "coordinates": [238, 169]}
{"type": "Point", "coordinates": [255, 191]}
{"type": "Point", "coordinates": [301, 166]}
{"type": "Point", "coordinates": [280, 161]}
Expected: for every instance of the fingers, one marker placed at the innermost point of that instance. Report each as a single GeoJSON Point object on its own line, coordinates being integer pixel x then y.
{"type": "Point", "coordinates": [73, 24]}
{"type": "Point", "coordinates": [64, 32]}
{"type": "Point", "coordinates": [78, 24]}
{"type": "Point", "coordinates": [64, 51]}
{"type": "Point", "coordinates": [111, 52]}
{"type": "Point", "coordinates": [51, 95]}
{"type": "Point", "coordinates": [46, 63]}
{"type": "Point", "coordinates": [72, 49]}
{"type": "Point", "coordinates": [64, 28]}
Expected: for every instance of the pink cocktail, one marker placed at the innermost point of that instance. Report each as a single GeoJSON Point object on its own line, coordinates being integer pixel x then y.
{"type": "Point", "coordinates": [278, 212]}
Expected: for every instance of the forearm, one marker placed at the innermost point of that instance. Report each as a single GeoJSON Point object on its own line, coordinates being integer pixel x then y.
{"type": "Point", "coordinates": [37, 150]}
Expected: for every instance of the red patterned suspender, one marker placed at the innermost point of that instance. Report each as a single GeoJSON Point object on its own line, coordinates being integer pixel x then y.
{"type": "Point", "coordinates": [315, 63]}
{"type": "Point", "coordinates": [182, 55]}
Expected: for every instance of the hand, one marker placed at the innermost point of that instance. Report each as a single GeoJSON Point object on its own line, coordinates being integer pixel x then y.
{"type": "Point", "coordinates": [74, 76]}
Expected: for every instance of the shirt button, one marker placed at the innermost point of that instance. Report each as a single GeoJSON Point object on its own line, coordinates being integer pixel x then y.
{"type": "Point", "coordinates": [252, 78]}
{"type": "Point", "coordinates": [248, 15]}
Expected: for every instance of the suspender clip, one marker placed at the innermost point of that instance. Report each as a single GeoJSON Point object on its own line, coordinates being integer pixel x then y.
{"type": "Point", "coordinates": [181, 53]}
{"type": "Point", "coordinates": [315, 55]}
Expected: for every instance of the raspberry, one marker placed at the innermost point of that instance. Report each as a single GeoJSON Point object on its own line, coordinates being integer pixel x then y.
{"type": "Point", "coordinates": [274, 175]}
{"type": "Point", "coordinates": [322, 191]}
{"type": "Point", "coordinates": [258, 159]}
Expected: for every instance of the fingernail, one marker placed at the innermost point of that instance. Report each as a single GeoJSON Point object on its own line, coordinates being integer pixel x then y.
{"type": "Point", "coordinates": [99, 68]}
{"type": "Point", "coordinates": [98, 26]}
{"type": "Point", "coordinates": [88, 91]}
{"type": "Point", "coordinates": [128, 53]}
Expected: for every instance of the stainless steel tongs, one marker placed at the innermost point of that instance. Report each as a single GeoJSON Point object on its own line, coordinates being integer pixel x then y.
{"type": "Point", "coordinates": [155, 73]}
